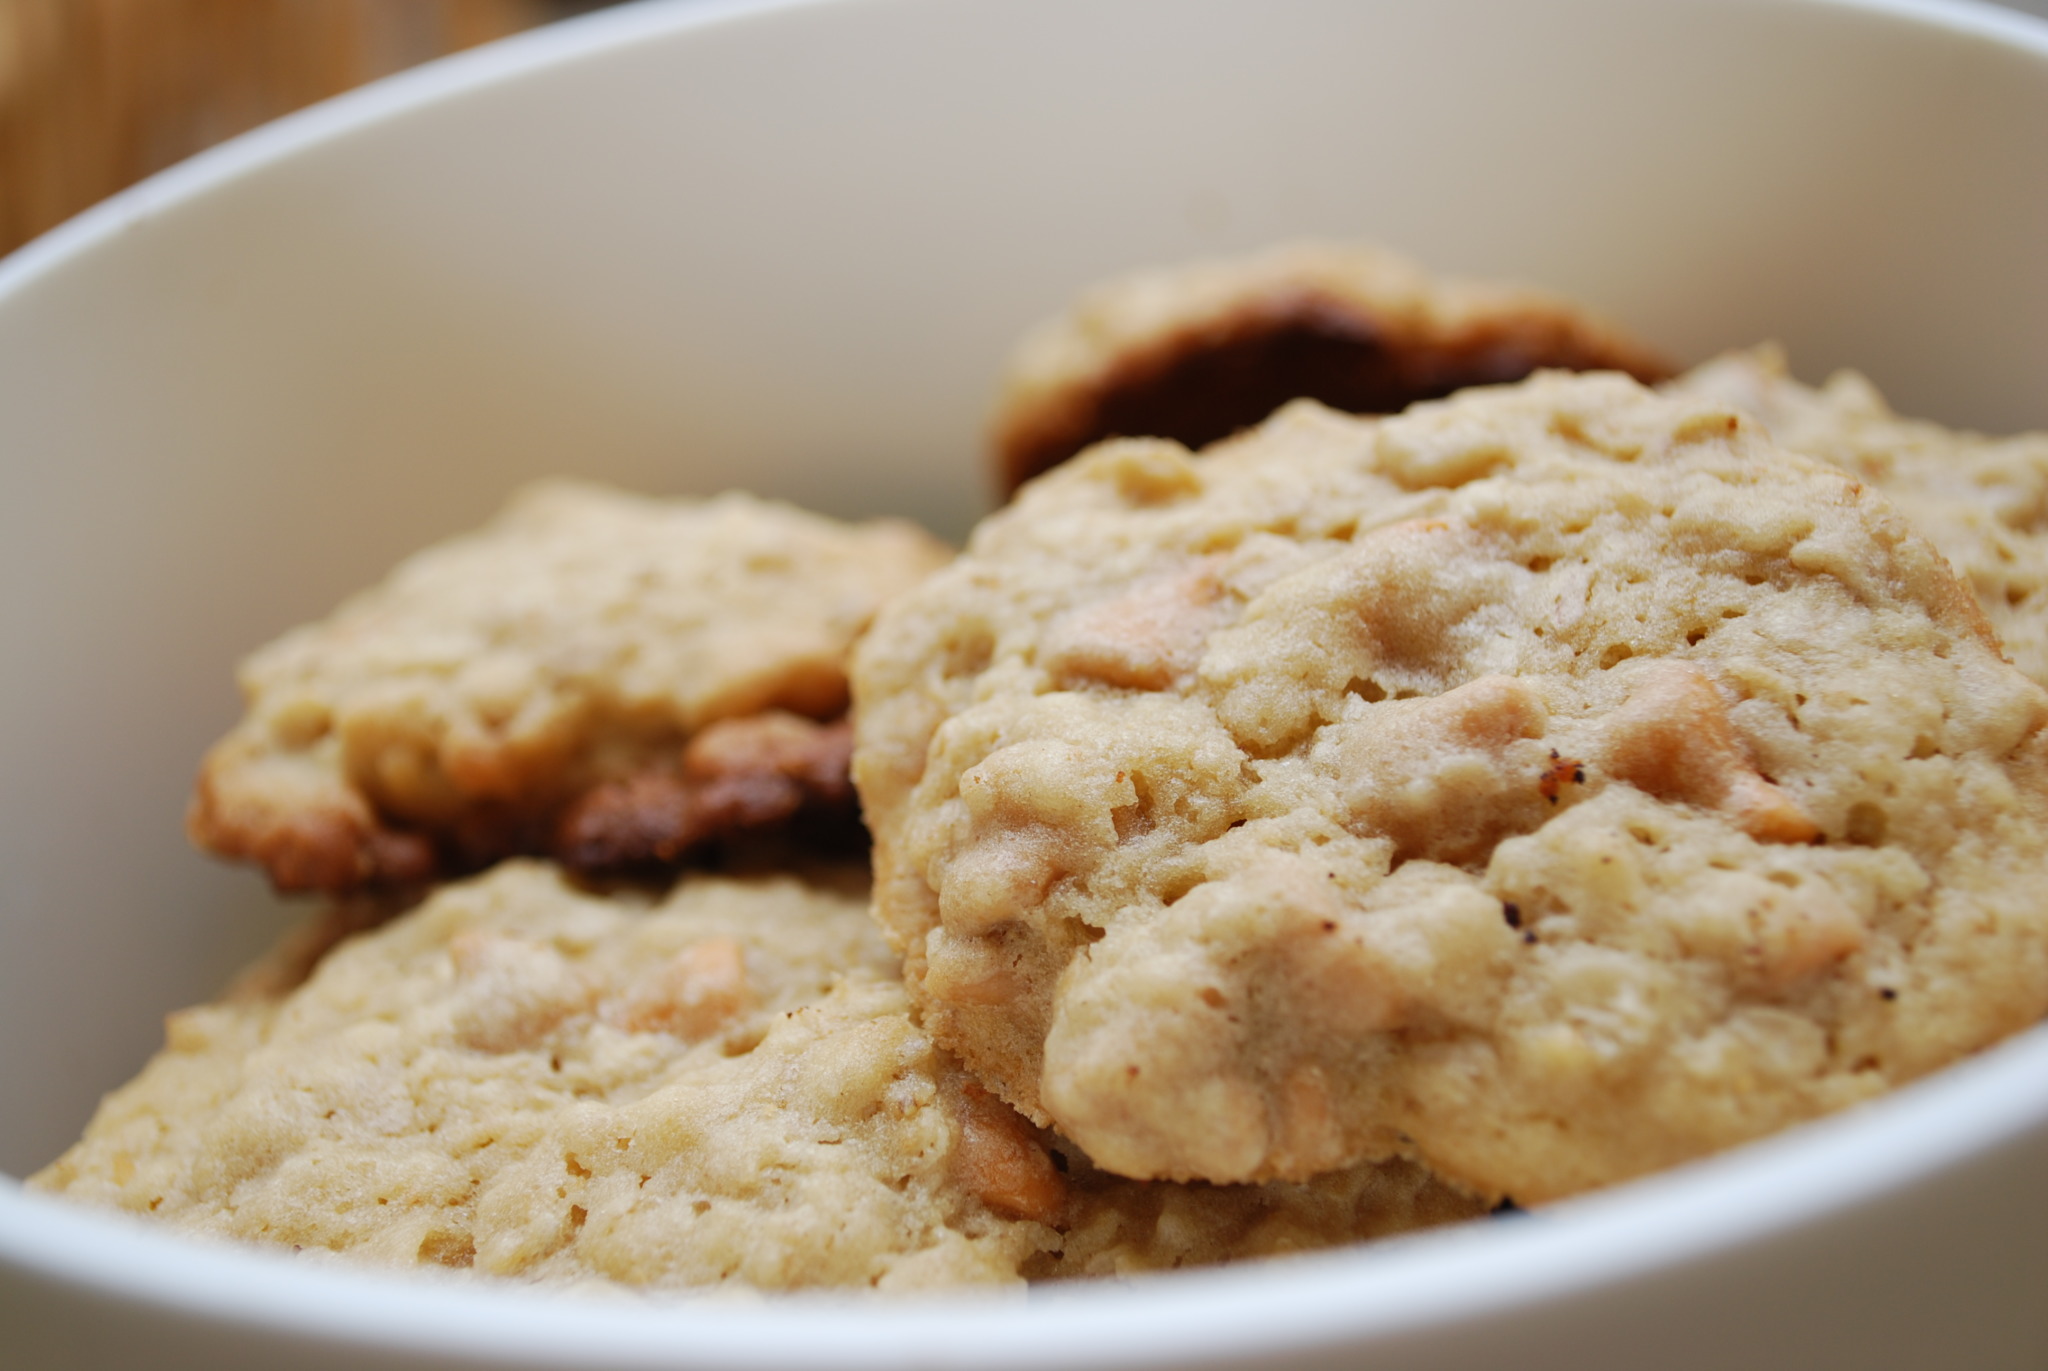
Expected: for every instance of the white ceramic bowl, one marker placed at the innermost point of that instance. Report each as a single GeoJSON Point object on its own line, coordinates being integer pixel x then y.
{"type": "Point", "coordinates": [784, 245]}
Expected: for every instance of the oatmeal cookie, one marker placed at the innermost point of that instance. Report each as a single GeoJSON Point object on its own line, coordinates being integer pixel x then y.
{"type": "Point", "coordinates": [1551, 784]}
{"type": "Point", "coordinates": [1197, 352]}
{"type": "Point", "coordinates": [607, 678]}
{"type": "Point", "coordinates": [724, 1086]}
{"type": "Point", "coordinates": [1982, 501]}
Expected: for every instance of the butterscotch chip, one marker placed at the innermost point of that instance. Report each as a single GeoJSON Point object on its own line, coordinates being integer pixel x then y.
{"type": "Point", "coordinates": [613, 679]}
{"type": "Point", "coordinates": [1551, 784]}
{"type": "Point", "coordinates": [723, 1086]}
{"type": "Point", "coordinates": [1196, 352]}
{"type": "Point", "coordinates": [1983, 501]}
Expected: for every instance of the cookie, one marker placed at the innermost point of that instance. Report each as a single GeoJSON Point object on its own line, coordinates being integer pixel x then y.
{"type": "Point", "coordinates": [614, 680]}
{"type": "Point", "coordinates": [1551, 784]}
{"type": "Point", "coordinates": [1982, 501]}
{"type": "Point", "coordinates": [725, 1086]}
{"type": "Point", "coordinates": [1197, 352]}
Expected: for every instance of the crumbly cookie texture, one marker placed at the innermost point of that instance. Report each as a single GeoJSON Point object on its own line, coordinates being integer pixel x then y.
{"type": "Point", "coordinates": [724, 1086]}
{"type": "Point", "coordinates": [1197, 352]}
{"type": "Point", "coordinates": [1551, 784]}
{"type": "Point", "coordinates": [609, 678]}
{"type": "Point", "coordinates": [1982, 501]}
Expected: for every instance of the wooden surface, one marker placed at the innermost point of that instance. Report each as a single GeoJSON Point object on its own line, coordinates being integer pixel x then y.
{"type": "Point", "coordinates": [97, 94]}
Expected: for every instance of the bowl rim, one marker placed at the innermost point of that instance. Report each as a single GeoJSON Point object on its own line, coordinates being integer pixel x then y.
{"type": "Point", "coordinates": [1642, 1230]}
{"type": "Point", "coordinates": [600, 31]}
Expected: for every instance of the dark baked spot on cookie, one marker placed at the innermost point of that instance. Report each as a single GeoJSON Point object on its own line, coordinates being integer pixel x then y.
{"type": "Point", "coordinates": [313, 849]}
{"type": "Point", "coordinates": [1561, 772]}
{"type": "Point", "coordinates": [765, 777]}
{"type": "Point", "coordinates": [1212, 378]}
{"type": "Point", "coordinates": [1866, 824]}
{"type": "Point", "coordinates": [738, 778]}
{"type": "Point", "coordinates": [644, 818]}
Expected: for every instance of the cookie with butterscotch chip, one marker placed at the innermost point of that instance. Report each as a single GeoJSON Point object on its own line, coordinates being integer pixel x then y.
{"type": "Point", "coordinates": [1551, 784]}
{"type": "Point", "coordinates": [614, 680]}
{"type": "Point", "coordinates": [1982, 500]}
{"type": "Point", "coordinates": [1196, 352]}
{"type": "Point", "coordinates": [722, 1085]}
{"type": "Point", "coordinates": [532, 1081]}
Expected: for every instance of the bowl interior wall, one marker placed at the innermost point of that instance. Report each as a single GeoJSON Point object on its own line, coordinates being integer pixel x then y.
{"type": "Point", "coordinates": [787, 251]}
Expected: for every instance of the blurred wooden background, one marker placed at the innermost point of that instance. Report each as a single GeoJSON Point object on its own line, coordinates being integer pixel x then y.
{"type": "Point", "coordinates": [97, 94]}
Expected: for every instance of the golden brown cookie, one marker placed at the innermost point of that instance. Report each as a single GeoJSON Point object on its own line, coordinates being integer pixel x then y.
{"type": "Point", "coordinates": [720, 1086]}
{"type": "Point", "coordinates": [612, 679]}
{"type": "Point", "coordinates": [1982, 501]}
{"type": "Point", "coordinates": [1196, 352]}
{"type": "Point", "coordinates": [1551, 784]}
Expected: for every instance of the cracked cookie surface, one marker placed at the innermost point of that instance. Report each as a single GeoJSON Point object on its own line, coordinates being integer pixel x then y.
{"type": "Point", "coordinates": [719, 1086]}
{"type": "Point", "coordinates": [612, 679]}
{"type": "Point", "coordinates": [1552, 784]}
{"type": "Point", "coordinates": [1982, 500]}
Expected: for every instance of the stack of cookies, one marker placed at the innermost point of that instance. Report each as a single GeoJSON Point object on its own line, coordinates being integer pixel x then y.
{"type": "Point", "coordinates": [1367, 822]}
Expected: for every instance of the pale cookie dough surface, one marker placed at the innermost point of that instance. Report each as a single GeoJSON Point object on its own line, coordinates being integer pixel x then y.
{"type": "Point", "coordinates": [1551, 784]}
{"type": "Point", "coordinates": [1198, 351]}
{"type": "Point", "coordinates": [723, 1086]}
{"type": "Point", "coordinates": [532, 687]}
{"type": "Point", "coordinates": [1983, 501]}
